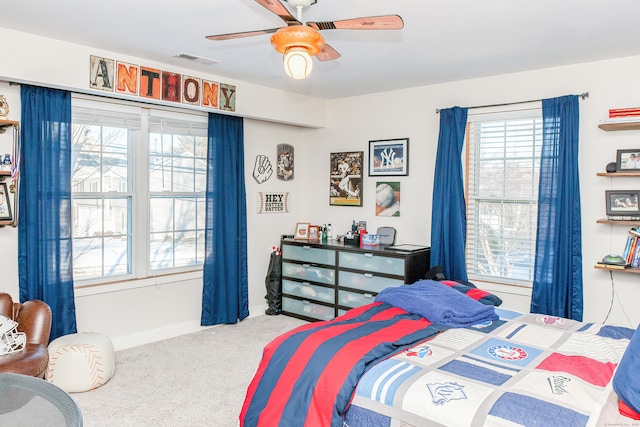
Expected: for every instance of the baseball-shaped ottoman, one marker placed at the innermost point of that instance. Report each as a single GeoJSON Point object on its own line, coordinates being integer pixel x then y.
{"type": "Point", "coordinates": [80, 362]}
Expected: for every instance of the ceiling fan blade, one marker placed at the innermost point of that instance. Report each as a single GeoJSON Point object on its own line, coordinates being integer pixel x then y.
{"type": "Point", "coordinates": [385, 22]}
{"type": "Point", "coordinates": [327, 53]}
{"type": "Point", "coordinates": [242, 34]}
{"type": "Point", "coordinates": [275, 6]}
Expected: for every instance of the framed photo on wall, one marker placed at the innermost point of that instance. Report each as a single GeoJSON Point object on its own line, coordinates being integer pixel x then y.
{"type": "Point", "coordinates": [389, 157]}
{"type": "Point", "coordinates": [345, 180]}
{"type": "Point", "coordinates": [622, 202]}
{"type": "Point", "coordinates": [5, 203]}
{"type": "Point", "coordinates": [387, 198]}
{"type": "Point", "coordinates": [628, 160]}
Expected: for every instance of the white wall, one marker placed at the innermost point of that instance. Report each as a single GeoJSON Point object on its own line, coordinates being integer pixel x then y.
{"type": "Point", "coordinates": [143, 311]}
{"type": "Point", "coordinates": [411, 113]}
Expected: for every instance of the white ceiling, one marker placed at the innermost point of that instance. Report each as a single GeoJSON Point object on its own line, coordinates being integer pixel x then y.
{"type": "Point", "coordinates": [442, 40]}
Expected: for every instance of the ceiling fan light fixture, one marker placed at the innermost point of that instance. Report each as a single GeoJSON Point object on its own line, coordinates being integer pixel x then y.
{"type": "Point", "coordinates": [298, 43]}
{"type": "Point", "coordinates": [297, 63]}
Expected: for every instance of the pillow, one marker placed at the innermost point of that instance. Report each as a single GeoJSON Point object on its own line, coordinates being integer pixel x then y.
{"type": "Point", "coordinates": [625, 380]}
{"type": "Point", "coordinates": [471, 291]}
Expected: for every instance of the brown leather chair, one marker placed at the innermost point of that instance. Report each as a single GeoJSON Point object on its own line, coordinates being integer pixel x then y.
{"type": "Point", "coordinates": [34, 319]}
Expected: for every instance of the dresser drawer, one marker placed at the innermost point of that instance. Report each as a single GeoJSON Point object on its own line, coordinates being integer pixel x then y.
{"type": "Point", "coordinates": [366, 281]}
{"type": "Point", "coordinates": [354, 299]}
{"type": "Point", "coordinates": [309, 272]}
{"type": "Point", "coordinates": [307, 290]}
{"type": "Point", "coordinates": [308, 309]}
{"type": "Point", "coordinates": [370, 262]}
{"type": "Point", "coordinates": [309, 254]}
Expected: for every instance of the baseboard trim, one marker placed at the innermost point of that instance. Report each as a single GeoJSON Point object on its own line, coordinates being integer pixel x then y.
{"type": "Point", "coordinates": [172, 331]}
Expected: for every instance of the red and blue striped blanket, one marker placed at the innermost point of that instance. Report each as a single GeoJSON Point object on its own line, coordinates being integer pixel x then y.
{"type": "Point", "coordinates": [307, 376]}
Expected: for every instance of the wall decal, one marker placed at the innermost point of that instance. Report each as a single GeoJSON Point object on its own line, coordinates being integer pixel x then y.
{"type": "Point", "coordinates": [101, 73]}
{"type": "Point", "coordinates": [284, 153]}
{"type": "Point", "coordinates": [149, 83]}
{"type": "Point", "coordinates": [228, 97]}
{"type": "Point", "coordinates": [272, 202]}
{"type": "Point", "coordinates": [262, 169]}
{"type": "Point", "coordinates": [191, 90]}
{"type": "Point", "coordinates": [127, 78]}
{"type": "Point", "coordinates": [171, 85]}
{"type": "Point", "coordinates": [120, 77]}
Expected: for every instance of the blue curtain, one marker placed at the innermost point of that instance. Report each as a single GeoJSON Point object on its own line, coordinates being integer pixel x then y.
{"type": "Point", "coordinates": [557, 283]}
{"type": "Point", "coordinates": [226, 286]}
{"type": "Point", "coordinates": [45, 228]}
{"type": "Point", "coordinates": [448, 213]}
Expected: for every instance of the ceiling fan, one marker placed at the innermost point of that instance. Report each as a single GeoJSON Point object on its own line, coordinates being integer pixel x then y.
{"type": "Point", "coordinates": [299, 42]}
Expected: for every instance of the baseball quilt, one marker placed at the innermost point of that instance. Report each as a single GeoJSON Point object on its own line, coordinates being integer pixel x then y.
{"type": "Point", "coordinates": [522, 369]}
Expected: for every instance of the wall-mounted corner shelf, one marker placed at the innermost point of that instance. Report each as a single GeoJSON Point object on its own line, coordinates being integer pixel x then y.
{"type": "Point", "coordinates": [4, 123]}
{"type": "Point", "coordinates": [613, 126]}
{"type": "Point", "coordinates": [5, 175]}
{"type": "Point", "coordinates": [618, 222]}
{"type": "Point", "coordinates": [619, 174]}
{"type": "Point", "coordinates": [619, 268]}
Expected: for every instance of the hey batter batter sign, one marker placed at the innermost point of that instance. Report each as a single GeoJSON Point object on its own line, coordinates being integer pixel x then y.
{"type": "Point", "coordinates": [272, 202]}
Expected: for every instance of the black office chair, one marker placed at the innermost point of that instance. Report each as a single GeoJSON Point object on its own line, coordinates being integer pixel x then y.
{"type": "Point", "coordinates": [31, 401]}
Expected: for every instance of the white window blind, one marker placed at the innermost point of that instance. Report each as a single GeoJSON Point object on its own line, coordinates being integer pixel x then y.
{"type": "Point", "coordinates": [503, 164]}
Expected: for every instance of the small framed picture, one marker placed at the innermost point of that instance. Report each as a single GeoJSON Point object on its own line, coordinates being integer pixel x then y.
{"type": "Point", "coordinates": [5, 203]}
{"type": "Point", "coordinates": [314, 232]}
{"type": "Point", "coordinates": [622, 202]}
{"type": "Point", "coordinates": [389, 157]}
{"type": "Point", "coordinates": [628, 160]}
{"type": "Point", "coordinates": [302, 231]}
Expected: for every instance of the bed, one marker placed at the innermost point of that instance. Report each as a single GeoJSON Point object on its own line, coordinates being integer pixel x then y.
{"type": "Point", "coordinates": [430, 354]}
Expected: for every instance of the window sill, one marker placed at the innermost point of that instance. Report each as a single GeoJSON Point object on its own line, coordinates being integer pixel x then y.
{"type": "Point", "coordinates": [502, 287]}
{"type": "Point", "coordinates": [124, 285]}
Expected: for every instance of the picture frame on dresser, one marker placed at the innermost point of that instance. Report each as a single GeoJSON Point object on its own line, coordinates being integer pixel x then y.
{"type": "Point", "coordinates": [622, 204]}
{"type": "Point", "coordinates": [628, 160]}
{"type": "Point", "coordinates": [302, 231]}
{"type": "Point", "coordinates": [314, 232]}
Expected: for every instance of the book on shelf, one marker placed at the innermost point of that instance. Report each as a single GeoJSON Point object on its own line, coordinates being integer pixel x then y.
{"type": "Point", "coordinates": [624, 112]}
{"type": "Point", "coordinates": [632, 249]}
{"type": "Point", "coordinates": [635, 259]}
{"type": "Point", "coordinates": [634, 232]}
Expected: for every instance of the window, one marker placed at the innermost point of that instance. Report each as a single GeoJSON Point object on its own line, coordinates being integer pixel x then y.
{"type": "Point", "coordinates": [177, 180]}
{"type": "Point", "coordinates": [138, 190]}
{"type": "Point", "coordinates": [503, 164]}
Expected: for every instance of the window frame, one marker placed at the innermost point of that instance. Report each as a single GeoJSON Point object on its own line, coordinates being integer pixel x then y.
{"type": "Point", "coordinates": [138, 191]}
{"type": "Point", "coordinates": [506, 114]}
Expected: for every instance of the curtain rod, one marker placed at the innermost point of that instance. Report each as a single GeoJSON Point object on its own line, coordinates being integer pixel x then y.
{"type": "Point", "coordinates": [582, 95]}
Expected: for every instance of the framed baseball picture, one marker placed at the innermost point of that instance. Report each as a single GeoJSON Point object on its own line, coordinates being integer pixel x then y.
{"type": "Point", "coordinates": [345, 180]}
{"type": "Point", "coordinates": [389, 157]}
{"type": "Point", "coordinates": [622, 203]}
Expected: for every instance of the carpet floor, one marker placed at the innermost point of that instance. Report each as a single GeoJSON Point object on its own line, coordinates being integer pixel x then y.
{"type": "Point", "coordinates": [198, 379]}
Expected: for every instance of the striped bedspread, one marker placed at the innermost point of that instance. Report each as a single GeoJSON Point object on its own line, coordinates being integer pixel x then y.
{"type": "Point", "coordinates": [307, 376]}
